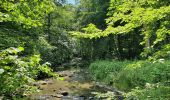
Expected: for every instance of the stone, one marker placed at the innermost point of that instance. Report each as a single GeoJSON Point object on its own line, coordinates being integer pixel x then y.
{"type": "Point", "coordinates": [57, 95]}
{"type": "Point", "coordinates": [35, 84]}
{"type": "Point", "coordinates": [91, 98]}
{"type": "Point", "coordinates": [1, 97]}
{"type": "Point", "coordinates": [40, 88]}
{"type": "Point", "coordinates": [54, 90]}
{"type": "Point", "coordinates": [43, 82]}
{"type": "Point", "coordinates": [64, 93]}
{"type": "Point", "coordinates": [70, 76]}
{"type": "Point", "coordinates": [63, 75]}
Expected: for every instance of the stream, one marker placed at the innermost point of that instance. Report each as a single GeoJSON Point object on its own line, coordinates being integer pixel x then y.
{"type": "Point", "coordinates": [75, 86]}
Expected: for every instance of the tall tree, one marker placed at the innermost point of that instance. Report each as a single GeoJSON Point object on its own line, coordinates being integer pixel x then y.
{"type": "Point", "coordinates": [148, 18]}
{"type": "Point", "coordinates": [56, 27]}
{"type": "Point", "coordinates": [92, 11]}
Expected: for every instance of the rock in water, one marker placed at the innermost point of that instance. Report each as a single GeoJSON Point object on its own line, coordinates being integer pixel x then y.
{"type": "Point", "coordinates": [57, 96]}
{"type": "Point", "coordinates": [64, 93]}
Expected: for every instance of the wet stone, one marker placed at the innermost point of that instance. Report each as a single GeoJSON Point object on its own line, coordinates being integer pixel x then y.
{"type": "Point", "coordinates": [90, 98]}
{"type": "Point", "coordinates": [40, 88]}
{"type": "Point", "coordinates": [64, 93]}
{"type": "Point", "coordinates": [54, 90]}
{"type": "Point", "coordinates": [82, 97]}
{"type": "Point", "coordinates": [43, 97]}
{"type": "Point", "coordinates": [78, 98]}
{"type": "Point", "coordinates": [57, 95]}
{"type": "Point", "coordinates": [36, 84]}
{"type": "Point", "coordinates": [67, 98]}
{"type": "Point", "coordinates": [43, 82]}
{"type": "Point", "coordinates": [70, 76]}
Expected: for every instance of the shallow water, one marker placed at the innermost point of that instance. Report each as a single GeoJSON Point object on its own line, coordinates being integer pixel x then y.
{"type": "Point", "coordinates": [76, 86]}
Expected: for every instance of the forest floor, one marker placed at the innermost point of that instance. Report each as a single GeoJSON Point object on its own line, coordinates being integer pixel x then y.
{"type": "Point", "coordinates": [75, 86]}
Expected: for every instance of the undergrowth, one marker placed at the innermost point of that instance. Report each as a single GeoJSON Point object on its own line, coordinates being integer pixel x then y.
{"type": "Point", "coordinates": [17, 73]}
{"type": "Point", "coordinates": [138, 79]}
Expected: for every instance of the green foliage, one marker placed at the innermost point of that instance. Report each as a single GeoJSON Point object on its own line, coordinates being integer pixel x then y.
{"type": "Point", "coordinates": [106, 96]}
{"type": "Point", "coordinates": [106, 71]}
{"type": "Point", "coordinates": [91, 11]}
{"type": "Point", "coordinates": [60, 45]}
{"type": "Point", "coordinates": [149, 17]}
{"type": "Point", "coordinates": [89, 32]}
{"type": "Point", "coordinates": [150, 92]}
{"type": "Point", "coordinates": [162, 53]}
{"type": "Point", "coordinates": [41, 27]}
{"type": "Point", "coordinates": [17, 73]}
{"type": "Point", "coordinates": [8, 40]}
{"type": "Point", "coordinates": [22, 24]}
{"type": "Point", "coordinates": [135, 77]}
{"type": "Point", "coordinates": [25, 12]}
{"type": "Point", "coordinates": [140, 73]}
{"type": "Point", "coordinates": [31, 44]}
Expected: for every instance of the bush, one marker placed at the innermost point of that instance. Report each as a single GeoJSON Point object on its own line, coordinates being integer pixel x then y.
{"type": "Point", "coordinates": [18, 73]}
{"type": "Point", "coordinates": [142, 72]}
{"type": "Point", "coordinates": [150, 92]}
{"type": "Point", "coordinates": [106, 71]}
{"type": "Point", "coordinates": [139, 79]}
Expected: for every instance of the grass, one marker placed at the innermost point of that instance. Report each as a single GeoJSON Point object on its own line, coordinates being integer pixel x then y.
{"type": "Point", "coordinates": [133, 76]}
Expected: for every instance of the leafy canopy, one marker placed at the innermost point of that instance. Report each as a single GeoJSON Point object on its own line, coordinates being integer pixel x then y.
{"type": "Point", "coordinates": [25, 12]}
{"type": "Point", "coordinates": [151, 17]}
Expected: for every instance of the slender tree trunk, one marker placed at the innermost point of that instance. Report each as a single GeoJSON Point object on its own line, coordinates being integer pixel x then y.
{"type": "Point", "coordinates": [92, 49]}
{"type": "Point", "coordinates": [117, 46]}
{"type": "Point", "coordinates": [48, 26]}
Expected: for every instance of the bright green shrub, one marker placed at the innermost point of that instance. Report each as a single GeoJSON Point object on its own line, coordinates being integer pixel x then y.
{"type": "Point", "coordinates": [142, 72]}
{"type": "Point", "coordinates": [17, 73]}
{"type": "Point", "coordinates": [106, 71]}
{"type": "Point", "coordinates": [150, 92]}
{"type": "Point", "coordinates": [141, 80]}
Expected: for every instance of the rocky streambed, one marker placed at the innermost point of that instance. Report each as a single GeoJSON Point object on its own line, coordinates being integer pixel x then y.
{"type": "Point", "coordinates": [75, 86]}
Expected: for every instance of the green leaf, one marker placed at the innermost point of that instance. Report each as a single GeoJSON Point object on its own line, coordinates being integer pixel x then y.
{"type": "Point", "coordinates": [61, 78]}
{"type": "Point", "coordinates": [1, 71]}
{"type": "Point", "coordinates": [21, 48]}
